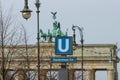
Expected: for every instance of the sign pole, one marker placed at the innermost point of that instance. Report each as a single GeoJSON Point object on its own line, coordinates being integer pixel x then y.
{"type": "Point", "coordinates": [63, 47]}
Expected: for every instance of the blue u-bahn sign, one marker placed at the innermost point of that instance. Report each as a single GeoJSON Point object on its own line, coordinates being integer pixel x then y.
{"type": "Point", "coordinates": [63, 45]}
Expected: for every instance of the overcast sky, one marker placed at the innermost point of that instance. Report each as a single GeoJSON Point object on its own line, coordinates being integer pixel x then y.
{"type": "Point", "coordinates": [99, 18]}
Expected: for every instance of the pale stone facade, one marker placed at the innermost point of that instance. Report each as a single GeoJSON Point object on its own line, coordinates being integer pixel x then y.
{"type": "Point", "coordinates": [95, 57]}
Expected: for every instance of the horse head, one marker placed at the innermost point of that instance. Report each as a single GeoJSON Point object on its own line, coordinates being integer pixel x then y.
{"type": "Point", "coordinates": [41, 31]}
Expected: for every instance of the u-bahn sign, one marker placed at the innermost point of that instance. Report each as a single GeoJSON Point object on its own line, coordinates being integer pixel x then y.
{"type": "Point", "coordinates": [63, 45]}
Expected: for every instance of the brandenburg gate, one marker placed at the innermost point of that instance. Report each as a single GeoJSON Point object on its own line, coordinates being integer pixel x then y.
{"type": "Point", "coordinates": [95, 57]}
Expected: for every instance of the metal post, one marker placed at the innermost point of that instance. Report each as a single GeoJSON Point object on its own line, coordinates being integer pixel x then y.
{"type": "Point", "coordinates": [82, 46]}
{"type": "Point", "coordinates": [82, 56]}
{"type": "Point", "coordinates": [50, 64]}
{"type": "Point", "coordinates": [37, 4]}
{"type": "Point", "coordinates": [3, 59]}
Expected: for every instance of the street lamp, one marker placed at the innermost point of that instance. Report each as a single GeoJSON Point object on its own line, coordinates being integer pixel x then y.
{"type": "Point", "coordinates": [26, 13]}
{"type": "Point", "coordinates": [82, 41]}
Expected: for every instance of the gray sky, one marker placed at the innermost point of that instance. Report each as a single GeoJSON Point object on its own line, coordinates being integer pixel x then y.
{"type": "Point", "coordinates": [99, 18]}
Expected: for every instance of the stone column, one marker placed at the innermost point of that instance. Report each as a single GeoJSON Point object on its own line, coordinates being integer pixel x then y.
{"type": "Point", "coordinates": [71, 74]}
{"type": "Point", "coordinates": [93, 74]}
{"type": "Point", "coordinates": [90, 74]}
{"type": "Point", "coordinates": [43, 74]}
{"type": "Point", "coordinates": [110, 74]}
{"type": "Point", "coordinates": [21, 75]}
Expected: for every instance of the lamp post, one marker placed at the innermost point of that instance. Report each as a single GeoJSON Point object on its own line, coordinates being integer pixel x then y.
{"type": "Point", "coordinates": [26, 13]}
{"type": "Point", "coordinates": [2, 46]}
{"type": "Point", "coordinates": [82, 41]}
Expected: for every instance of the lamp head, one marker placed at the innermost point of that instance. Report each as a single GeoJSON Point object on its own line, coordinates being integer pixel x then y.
{"type": "Point", "coordinates": [26, 13]}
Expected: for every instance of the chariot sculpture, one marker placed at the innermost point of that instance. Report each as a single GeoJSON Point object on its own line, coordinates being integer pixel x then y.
{"type": "Point", "coordinates": [55, 32]}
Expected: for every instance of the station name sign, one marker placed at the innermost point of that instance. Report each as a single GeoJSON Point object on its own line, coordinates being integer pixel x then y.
{"type": "Point", "coordinates": [63, 59]}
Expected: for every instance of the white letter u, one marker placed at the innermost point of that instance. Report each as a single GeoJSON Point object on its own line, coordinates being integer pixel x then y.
{"type": "Point", "coordinates": [60, 45]}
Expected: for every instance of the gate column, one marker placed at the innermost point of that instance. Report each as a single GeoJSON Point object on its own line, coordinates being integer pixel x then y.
{"type": "Point", "coordinates": [21, 75]}
{"type": "Point", "coordinates": [71, 74]}
{"type": "Point", "coordinates": [110, 74]}
{"type": "Point", "coordinates": [93, 74]}
{"type": "Point", "coordinates": [43, 74]}
{"type": "Point", "coordinates": [90, 74]}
